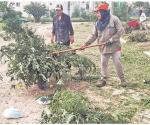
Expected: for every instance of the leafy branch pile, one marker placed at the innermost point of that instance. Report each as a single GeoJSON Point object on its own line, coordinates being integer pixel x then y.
{"type": "Point", "coordinates": [29, 58]}
{"type": "Point", "coordinates": [68, 107]}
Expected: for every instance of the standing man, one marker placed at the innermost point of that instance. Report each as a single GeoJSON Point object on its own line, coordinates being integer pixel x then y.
{"type": "Point", "coordinates": [108, 30]}
{"type": "Point", "coordinates": [142, 20]}
{"type": "Point", "coordinates": [62, 30]}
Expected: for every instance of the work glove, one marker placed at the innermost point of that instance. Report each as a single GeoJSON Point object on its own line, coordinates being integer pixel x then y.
{"type": "Point", "coordinates": [109, 42]}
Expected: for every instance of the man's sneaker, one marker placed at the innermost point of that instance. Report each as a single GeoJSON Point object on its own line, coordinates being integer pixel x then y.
{"type": "Point", "coordinates": [102, 83]}
{"type": "Point", "coordinates": [123, 84]}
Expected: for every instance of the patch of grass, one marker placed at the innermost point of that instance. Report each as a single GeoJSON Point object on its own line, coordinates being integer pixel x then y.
{"type": "Point", "coordinates": [136, 65]}
{"type": "Point", "coordinates": [1, 24]}
{"type": "Point", "coordinates": [139, 85]}
{"type": "Point", "coordinates": [124, 116]}
{"type": "Point", "coordinates": [125, 110]}
{"type": "Point", "coordinates": [89, 78]}
{"type": "Point", "coordinates": [136, 68]}
{"type": "Point", "coordinates": [146, 102]}
{"type": "Point", "coordinates": [69, 107]}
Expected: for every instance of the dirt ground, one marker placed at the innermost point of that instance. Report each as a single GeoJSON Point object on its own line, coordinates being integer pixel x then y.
{"type": "Point", "coordinates": [24, 99]}
{"type": "Point", "coordinates": [19, 99]}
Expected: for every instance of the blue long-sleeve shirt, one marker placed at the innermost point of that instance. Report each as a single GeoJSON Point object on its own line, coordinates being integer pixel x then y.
{"type": "Point", "coordinates": [62, 28]}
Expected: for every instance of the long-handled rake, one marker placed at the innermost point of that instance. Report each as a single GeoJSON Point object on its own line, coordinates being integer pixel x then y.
{"type": "Point", "coordinates": [79, 48]}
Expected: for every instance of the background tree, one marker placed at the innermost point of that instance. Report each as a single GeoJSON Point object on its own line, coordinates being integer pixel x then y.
{"type": "Point", "coordinates": [52, 13]}
{"type": "Point", "coordinates": [76, 12]}
{"type": "Point", "coordinates": [37, 10]}
{"type": "Point", "coordinates": [27, 56]}
{"type": "Point", "coordinates": [142, 5]}
{"type": "Point", "coordinates": [3, 5]}
{"type": "Point", "coordinates": [120, 9]}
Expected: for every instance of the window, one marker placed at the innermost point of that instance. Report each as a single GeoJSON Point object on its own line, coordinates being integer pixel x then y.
{"type": "Point", "coordinates": [17, 4]}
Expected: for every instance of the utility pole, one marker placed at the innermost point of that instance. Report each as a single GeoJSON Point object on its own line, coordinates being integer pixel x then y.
{"type": "Point", "coordinates": [68, 8]}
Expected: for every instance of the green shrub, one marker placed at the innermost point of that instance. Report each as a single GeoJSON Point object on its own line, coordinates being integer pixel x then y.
{"type": "Point", "coordinates": [76, 12]}
{"type": "Point", "coordinates": [69, 107]}
{"type": "Point", "coordinates": [120, 9]}
{"type": "Point", "coordinates": [138, 37]}
{"type": "Point", "coordinates": [78, 19]}
{"type": "Point", "coordinates": [81, 15]}
{"type": "Point", "coordinates": [29, 58]}
{"type": "Point", "coordinates": [37, 10]}
{"type": "Point", "coordinates": [134, 18]}
{"type": "Point", "coordinates": [52, 13]}
{"type": "Point", "coordinates": [88, 16]}
{"type": "Point", "coordinates": [46, 19]}
{"type": "Point", "coordinates": [146, 102]}
{"type": "Point", "coordinates": [1, 26]}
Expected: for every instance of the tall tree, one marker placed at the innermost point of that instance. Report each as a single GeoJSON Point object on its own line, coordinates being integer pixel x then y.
{"type": "Point", "coordinates": [37, 10]}
{"type": "Point", "coordinates": [3, 6]}
{"type": "Point", "coordinates": [76, 12]}
{"type": "Point", "coordinates": [120, 9]}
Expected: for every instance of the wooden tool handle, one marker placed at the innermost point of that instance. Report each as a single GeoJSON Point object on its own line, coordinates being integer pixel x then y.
{"type": "Point", "coordinates": [67, 50]}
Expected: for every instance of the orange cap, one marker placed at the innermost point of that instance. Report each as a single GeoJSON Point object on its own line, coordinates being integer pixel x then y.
{"type": "Point", "coordinates": [101, 6]}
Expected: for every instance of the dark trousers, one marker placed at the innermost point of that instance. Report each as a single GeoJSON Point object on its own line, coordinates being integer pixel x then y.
{"type": "Point", "coordinates": [66, 44]}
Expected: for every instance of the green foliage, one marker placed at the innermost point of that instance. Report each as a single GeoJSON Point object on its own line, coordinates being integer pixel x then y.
{"type": "Point", "coordinates": [69, 107]}
{"type": "Point", "coordinates": [136, 65]}
{"type": "Point", "coordinates": [77, 19]}
{"type": "Point", "coordinates": [3, 5]}
{"type": "Point", "coordinates": [29, 58]}
{"type": "Point", "coordinates": [120, 9]}
{"type": "Point", "coordinates": [1, 25]}
{"type": "Point", "coordinates": [88, 16]}
{"type": "Point", "coordinates": [81, 15]}
{"type": "Point", "coordinates": [11, 23]}
{"type": "Point", "coordinates": [36, 9]}
{"type": "Point", "coordinates": [26, 62]}
{"type": "Point", "coordinates": [46, 20]}
{"type": "Point", "coordinates": [146, 102]}
{"type": "Point", "coordinates": [140, 4]}
{"type": "Point", "coordinates": [124, 116]}
{"type": "Point", "coordinates": [52, 13]}
{"type": "Point", "coordinates": [69, 59]}
{"type": "Point", "coordinates": [124, 111]}
{"type": "Point", "coordinates": [138, 37]}
{"type": "Point", "coordinates": [76, 12]}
